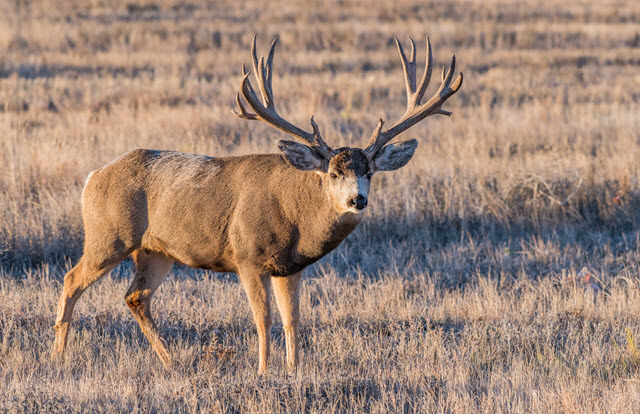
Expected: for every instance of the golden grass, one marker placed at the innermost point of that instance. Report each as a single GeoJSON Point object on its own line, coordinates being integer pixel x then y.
{"type": "Point", "coordinates": [457, 293]}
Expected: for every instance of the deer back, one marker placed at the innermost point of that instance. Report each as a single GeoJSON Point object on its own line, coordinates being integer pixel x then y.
{"type": "Point", "coordinates": [215, 213]}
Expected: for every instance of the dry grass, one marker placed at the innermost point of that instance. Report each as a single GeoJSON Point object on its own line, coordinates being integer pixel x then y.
{"type": "Point", "coordinates": [457, 294]}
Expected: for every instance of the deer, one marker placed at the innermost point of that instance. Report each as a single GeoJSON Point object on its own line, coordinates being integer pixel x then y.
{"type": "Point", "coordinates": [264, 217]}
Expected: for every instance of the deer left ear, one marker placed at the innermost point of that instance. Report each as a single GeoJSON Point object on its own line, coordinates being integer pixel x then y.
{"type": "Point", "coordinates": [301, 156]}
{"type": "Point", "coordinates": [394, 156]}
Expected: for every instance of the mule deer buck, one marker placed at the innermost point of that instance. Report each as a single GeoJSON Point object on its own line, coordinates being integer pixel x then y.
{"type": "Point", "coordinates": [265, 217]}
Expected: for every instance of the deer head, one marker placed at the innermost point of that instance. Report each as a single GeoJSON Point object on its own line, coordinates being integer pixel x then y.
{"type": "Point", "coordinates": [346, 172]}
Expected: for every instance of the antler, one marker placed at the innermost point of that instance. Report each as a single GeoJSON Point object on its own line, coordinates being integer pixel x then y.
{"type": "Point", "coordinates": [415, 111]}
{"type": "Point", "coordinates": [267, 111]}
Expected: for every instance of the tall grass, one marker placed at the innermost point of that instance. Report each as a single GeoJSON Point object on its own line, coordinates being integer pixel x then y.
{"type": "Point", "coordinates": [457, 293]}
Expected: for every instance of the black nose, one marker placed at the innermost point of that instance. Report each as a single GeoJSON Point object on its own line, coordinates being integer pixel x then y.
{"type": "Point", "coordinates": [359, 202]}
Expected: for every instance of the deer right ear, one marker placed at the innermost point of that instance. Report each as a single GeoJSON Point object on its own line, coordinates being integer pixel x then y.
{"type": "Point", "coordinates": [301, 156]}
{"type": "Point", "coordinates": [395, 156]}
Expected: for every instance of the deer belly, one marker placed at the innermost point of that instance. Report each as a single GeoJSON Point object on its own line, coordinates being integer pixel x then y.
{"type": "Point", "coordinates": [209, 256]}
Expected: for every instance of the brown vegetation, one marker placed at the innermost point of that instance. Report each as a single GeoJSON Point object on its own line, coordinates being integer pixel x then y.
{"type": "Point", "coordinates": [458, 292]}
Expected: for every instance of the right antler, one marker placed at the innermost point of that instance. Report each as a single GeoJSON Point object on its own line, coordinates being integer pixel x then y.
{"type": "Point", "coordinates": [415, 111]}
{"type": "Point", "coordinates": [267, 111]}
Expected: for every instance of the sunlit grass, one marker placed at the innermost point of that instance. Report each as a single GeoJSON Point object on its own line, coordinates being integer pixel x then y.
{"type": "Point", "coordinates": [459, 292]}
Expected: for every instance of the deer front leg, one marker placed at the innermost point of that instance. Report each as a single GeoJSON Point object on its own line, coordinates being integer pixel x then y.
{"type": "Point", "coordinates": [257, 285]}
{"type": "Point", "coordinates": [287, 292]}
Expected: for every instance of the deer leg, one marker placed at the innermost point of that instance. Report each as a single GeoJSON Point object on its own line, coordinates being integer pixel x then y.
{"type": "Point", "coordinates": [287, 293]}
{"type": "Point", "coordinates": [151, 269]}
{"type": "Point", "coordinates": [76, 281]}
{"type": "Point", "coordinates": [258, 289]}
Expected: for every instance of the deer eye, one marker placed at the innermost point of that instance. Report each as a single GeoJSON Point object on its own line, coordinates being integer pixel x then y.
{"type": "Point", "coordinates": [333, 176]}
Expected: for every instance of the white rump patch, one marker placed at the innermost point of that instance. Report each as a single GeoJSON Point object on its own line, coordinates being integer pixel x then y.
{"type": "Point", "coordinates": [85, 186]}
{"type": "Point", "coordinates": [88, 178]}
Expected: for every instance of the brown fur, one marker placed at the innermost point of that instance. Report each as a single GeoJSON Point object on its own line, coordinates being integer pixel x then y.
{"type": "Point", "coordinates": [147, 203]}
{"type": "Point", "coordinates": [254, 215]}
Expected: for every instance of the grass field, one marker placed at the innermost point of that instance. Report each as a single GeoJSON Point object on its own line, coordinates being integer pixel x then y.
{"type": "Point", "coordinates": [461, 290]}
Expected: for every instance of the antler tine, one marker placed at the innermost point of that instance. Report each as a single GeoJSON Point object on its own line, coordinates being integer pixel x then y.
{"type": "Point", "coordinates": [259, 69]}
{"type": "Point", "coordinates": [426, 77]}
{"type": "Point", "coordinates": [409, 67]}
{"type": "Point", "coordinates": [265, 110]}
{"type": "Point", "coordinates": [449, 76]}
{"type": "Point", "coordinates": [376, 133]}
{"type": "Point", "coordinates": [416, 112]}
{"type": "Point", "coordinates": [457, 83]}
{"type": "Point", "coordinates": [269, 70]}
{"type": "Point", "coordinates": [446, 89]}
{"type": "Point", "coordinates": [244, 114]}
{"type": "Point", "coordinates": [318, 143]}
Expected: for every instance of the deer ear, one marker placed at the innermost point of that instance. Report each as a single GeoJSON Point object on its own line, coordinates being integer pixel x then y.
{"type": "Point", "coordinates": [301, 156]}
{"type": "Point", "coordinates": [394, 156]}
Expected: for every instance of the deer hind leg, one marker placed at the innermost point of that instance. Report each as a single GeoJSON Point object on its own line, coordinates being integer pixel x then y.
{"type": "Point", "coordinates": [258, 288]}
{"type": "Point", "coordinates": [151, 269]}
{"type": "Point", "coordinates": [76, 281]}
{"type": "Point", "coordinates": [287, 293]}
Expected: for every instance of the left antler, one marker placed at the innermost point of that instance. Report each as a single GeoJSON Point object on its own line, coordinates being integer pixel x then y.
{"type": "Point", "coordinates": [415, 111]}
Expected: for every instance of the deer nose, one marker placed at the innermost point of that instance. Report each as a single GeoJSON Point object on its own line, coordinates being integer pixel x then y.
{"type": "Point", "coordinates": [359, 202]}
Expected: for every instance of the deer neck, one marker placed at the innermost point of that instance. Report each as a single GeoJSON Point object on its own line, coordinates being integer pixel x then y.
{"type": "Point", "coordinates": [321, 226]}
